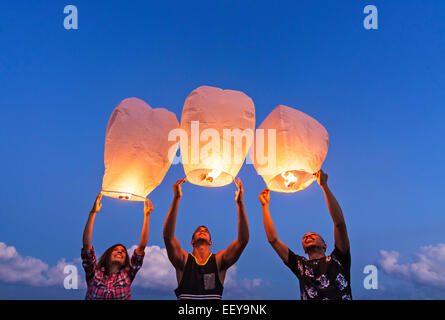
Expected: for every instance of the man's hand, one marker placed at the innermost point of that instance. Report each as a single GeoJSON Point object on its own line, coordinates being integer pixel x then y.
{"type": "Point", "coordinates": [148, 207]}
{"type": "Point", "coordinates": [265, 197]}
{"type": "Point", "coordinates": [240, 192]}
{"type": "Point", "coordinates": [97, 205]}
{"type": "Point", "coordinates": [322, 178]}
{"type": "Point", "coordinates": [177, 188]}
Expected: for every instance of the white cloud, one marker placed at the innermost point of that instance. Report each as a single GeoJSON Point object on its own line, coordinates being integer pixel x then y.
{"type": "Point", "coordinates": [157, 272]}
{"type": "Point", "coordinates": [428, 269]}
{"type": "Point", "coordinates": [15, 268]}
{"type": "Point", "coordinates": [240, 287]}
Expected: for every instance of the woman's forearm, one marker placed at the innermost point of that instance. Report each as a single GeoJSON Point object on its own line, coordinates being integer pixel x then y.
{"type": "Point", "coordinates": [88, 231]}
{"type": "Point", "coordinates": [144, 234]}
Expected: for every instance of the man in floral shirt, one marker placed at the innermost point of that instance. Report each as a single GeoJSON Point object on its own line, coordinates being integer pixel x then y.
{"type": "Point", "coordinates": [321, 277]}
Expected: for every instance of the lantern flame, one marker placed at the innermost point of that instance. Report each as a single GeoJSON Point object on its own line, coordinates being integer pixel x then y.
{"type": "Point", "coordinates": [212, 175]}
{"type": "Point", "coordinates": [126, 196]}
{"type": "Point", "coordinates": [289, 178]}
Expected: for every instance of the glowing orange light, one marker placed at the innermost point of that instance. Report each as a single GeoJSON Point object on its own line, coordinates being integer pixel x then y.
{"type": "Point", "coordinates": [289, 179]}
{"type": "Point", "coordinates": [126, 196]}
{"type": "Point", "coordinates": [212, 175]}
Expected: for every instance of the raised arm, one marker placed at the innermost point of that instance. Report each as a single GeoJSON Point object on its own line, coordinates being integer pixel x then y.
{"type": "Point", "coordinates": [148, 208]}
{"type": "Point", "coordinates": [176, 254]}
{"type": "Point", "coordinates": [271, 233]}
{"type": "Point", "coordinates": [230, 255]}
{"type": "Point", "coordinates": [340, 231]}
{"type": "Point", "coordinates": [88, 231]}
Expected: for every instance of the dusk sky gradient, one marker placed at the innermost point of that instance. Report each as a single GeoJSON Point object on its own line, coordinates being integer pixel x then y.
{"type": "Point", "coordinates": [379, 93]}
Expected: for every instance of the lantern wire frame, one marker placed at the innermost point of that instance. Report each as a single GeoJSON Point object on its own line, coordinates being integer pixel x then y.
{"type": "Point", "coordinates": [123, 195]}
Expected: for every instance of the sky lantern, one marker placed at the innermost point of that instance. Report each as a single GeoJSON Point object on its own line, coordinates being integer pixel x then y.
{"type": "Point", "coordinates": [289, 147]}
{"type": "Point", "coordinates": [137, 149]}
{"type": "Point", "coordinates": [218, 127]}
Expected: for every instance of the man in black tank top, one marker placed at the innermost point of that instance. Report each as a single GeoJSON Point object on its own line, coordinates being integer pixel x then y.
{"type": "Point", "coordinates": [321, 277]}
{"type": "Point", "coordinates": [201, 274]}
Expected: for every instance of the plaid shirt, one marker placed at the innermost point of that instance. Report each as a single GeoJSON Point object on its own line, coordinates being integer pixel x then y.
{"type": "Point", "coordinates": [114, 286]}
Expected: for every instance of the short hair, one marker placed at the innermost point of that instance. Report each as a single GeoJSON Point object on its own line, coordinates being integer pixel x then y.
{"type": "Point", "coordinates": [317, 235]}
{"type": "Point", "coordinates": [196, 230]}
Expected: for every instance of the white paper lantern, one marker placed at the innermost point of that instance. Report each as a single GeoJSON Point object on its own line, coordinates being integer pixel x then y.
{"type": "Point", "coordinates": [293, 152]}
{"type": "Point", "coordinates": [137, 149]}
{"type": "Point", "coordinates": [219, 126]}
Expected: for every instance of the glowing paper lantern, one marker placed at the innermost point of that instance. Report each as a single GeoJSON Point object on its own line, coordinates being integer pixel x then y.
{"type": "Point", "coordinates": [290, 147]}
{"type": "Point", "coordinates": [137, 149]}
{"type": "Point", "coordinates": [219, 128]}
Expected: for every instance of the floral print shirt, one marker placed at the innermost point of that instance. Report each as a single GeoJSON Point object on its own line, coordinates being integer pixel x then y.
{"type": "Point", "coordinates": [114, 286]}
{"type": "Point", "coordinates": [327, 278]}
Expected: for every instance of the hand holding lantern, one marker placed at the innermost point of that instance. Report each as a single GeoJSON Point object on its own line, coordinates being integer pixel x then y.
{"type": "Point", "coordinates": [177, 188]}
{"type": "Point", "coordinates": [97, 205]}
{"type": "Point", "coordinates": [322, 178]}
{"type": "Point", "coordinates": [148, 207]}
{"type": "Point", "coordinates": [265, 197]}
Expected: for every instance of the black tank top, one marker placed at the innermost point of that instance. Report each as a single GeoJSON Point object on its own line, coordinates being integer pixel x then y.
{"type": "Point", "coordinates": [200, 282]}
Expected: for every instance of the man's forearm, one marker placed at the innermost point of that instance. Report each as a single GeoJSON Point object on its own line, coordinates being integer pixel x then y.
{"type": "Point", "coordinates": [268, 225]}
{"type": "Point", "coordinates": [243, 226]}
{"type": "Point", "coordinates": [333, 206]}
{"type": "Point", "coordinates": [170, 221]}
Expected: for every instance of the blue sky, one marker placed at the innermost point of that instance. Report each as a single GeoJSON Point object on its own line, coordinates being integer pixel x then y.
{"type": "Point", "coordinates": [379, 93]}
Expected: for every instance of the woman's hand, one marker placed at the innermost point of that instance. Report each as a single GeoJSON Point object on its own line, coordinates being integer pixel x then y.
{"type": "Point", "coordinates": [148, 207]}
{"type": "Point", "coordinates": [97, 205]}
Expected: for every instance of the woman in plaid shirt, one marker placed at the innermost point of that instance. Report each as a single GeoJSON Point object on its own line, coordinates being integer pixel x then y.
{"type": "Point", "coordinates": [112, 277]}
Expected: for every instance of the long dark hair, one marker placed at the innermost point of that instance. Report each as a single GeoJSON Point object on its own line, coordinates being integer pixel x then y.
{"type": "Point", "coordinates": [104, 261]}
